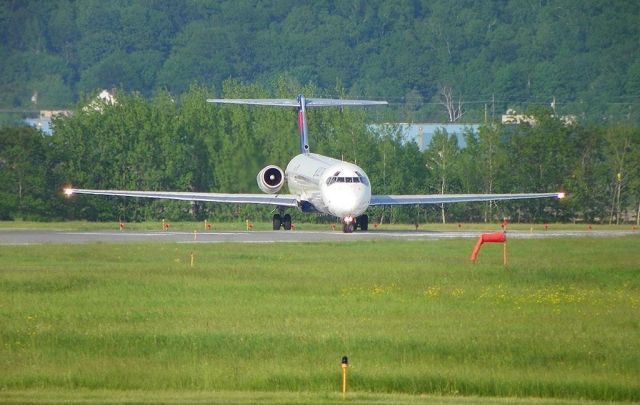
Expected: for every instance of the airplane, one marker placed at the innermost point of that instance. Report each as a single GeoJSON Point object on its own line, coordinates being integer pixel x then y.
{"type": "Point", "coordinates": [316, 183]}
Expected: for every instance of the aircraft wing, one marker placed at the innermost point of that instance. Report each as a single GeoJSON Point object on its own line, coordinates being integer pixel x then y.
{"type": "Point", "coordinates": [451, 198]}
{"type": "Point", "coordinates": [282, 200]}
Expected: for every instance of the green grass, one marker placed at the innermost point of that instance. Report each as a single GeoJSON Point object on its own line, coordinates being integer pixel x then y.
{"type": "Point", "coordinates": [269, 323]}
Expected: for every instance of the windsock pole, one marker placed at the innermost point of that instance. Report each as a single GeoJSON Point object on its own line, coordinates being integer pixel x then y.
{"type": "Point", "coordinates": [504, 252]}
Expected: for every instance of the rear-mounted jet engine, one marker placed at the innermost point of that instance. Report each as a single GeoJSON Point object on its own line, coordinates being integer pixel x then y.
{"type": "Point", "coordinates": [270, 179]}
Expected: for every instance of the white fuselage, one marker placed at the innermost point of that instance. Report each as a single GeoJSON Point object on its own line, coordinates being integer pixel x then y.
{"type": "Point", "coordinates": [332, 186]}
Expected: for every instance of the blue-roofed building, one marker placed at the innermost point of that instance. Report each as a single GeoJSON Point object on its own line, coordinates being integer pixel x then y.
{"type": "Point", "coordinates": [422, 133]}
{"type": "Point", "coordinates": [43, 122]}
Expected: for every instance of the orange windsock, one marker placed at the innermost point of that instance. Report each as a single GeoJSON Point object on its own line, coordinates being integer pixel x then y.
{"type": "Point", "coordinates": [498, 237]}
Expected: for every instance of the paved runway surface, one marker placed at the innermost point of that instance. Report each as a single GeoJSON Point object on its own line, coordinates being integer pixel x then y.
{"type": "Point", "coordinates": [31, 237]}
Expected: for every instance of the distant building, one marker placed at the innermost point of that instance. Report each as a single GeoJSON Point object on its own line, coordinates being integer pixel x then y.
{"type": "Point", "coordinates": [512, 117]}
{"type": "Point", "coordinates": [101, 100]}
{"type": "Point", "coordinates": [43, 122]}
{"type": "Point", "coordinates": [421, 133]}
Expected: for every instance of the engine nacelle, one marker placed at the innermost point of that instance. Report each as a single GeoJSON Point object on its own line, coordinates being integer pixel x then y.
{"type": "Point", "coordinates": [270, 179]}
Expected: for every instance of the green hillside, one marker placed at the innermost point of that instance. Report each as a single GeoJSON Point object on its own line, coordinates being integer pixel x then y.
{"type": "Point", "coordinates": [493, 55]}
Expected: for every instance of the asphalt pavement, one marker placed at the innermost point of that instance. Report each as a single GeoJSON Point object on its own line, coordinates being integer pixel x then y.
{"type": "Point", "coordinates": [34, 237]}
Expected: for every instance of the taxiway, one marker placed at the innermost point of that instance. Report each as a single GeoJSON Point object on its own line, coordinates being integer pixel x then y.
{"type": "Point", "coordinates": [32, 237]}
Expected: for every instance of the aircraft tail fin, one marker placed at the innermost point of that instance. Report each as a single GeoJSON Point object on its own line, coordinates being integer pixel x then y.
{"type": "Point", "coordinates": [301, 103]}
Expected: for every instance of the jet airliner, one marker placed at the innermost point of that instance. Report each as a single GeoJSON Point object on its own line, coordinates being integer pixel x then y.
{"type": "Point", "coordinates": [316, 183]}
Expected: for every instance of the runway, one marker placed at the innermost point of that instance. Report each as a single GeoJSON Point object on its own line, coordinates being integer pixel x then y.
{"type": "Point", "coordinates": [36, 237]}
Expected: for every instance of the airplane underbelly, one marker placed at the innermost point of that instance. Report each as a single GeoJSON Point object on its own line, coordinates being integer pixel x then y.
{"type": "Point", "coordinates": [308, 191]}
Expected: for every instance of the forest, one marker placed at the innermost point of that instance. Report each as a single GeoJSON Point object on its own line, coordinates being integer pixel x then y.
{"type": "Point", "coordinates": [186, 144]}
{"type": "Point", "coordinates": [488, 55]}
{"type": "Point", "coordinates": [434, 61]}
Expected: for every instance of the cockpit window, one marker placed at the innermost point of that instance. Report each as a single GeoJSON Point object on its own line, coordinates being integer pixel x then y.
{"type": "Point", "coordinates": [363, 179]}
{"type": "Point", "coordinates": [344, 179]}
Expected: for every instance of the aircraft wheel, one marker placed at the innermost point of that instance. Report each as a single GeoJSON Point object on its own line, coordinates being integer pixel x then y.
{"type": "Point", "coordinates": [286, 222]}
{"type": "Point", "coordinates": [348, 228]}
{"type": "Point", "coordinates": [277, 220]}
{"type": "Point", "coordinates": [363, 221]}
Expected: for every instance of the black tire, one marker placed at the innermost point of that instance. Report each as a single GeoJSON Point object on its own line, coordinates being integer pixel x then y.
{"type": "Point", "coordinates": [348, 228]}
{"type": "Point", "coordinates": [277, 221]}
{"type": "Point", "coordinates": [286, 222]}
{"type": "Point", "coordinates": [363, 221]}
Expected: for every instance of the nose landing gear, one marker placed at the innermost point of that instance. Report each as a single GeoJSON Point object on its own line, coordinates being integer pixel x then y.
{"type": "Point", "coordinates": [350, 224]}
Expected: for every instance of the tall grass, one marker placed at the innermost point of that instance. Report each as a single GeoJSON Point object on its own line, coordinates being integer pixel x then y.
{"type": "Point", "coordinates": [561, 321]}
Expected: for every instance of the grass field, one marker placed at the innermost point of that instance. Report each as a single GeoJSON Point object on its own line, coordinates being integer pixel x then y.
{"type": "Point", "coordinates": [269, 323]}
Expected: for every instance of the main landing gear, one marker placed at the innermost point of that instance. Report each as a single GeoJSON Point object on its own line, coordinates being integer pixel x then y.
{"type": "Point", "coordinates": [350, 224]}
{"type": "Point", "coordinates": [283, 221]}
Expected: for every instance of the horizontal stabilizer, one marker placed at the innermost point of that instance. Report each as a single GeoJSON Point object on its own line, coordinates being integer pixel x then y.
{"type": "Point", "coordinates": [300, 103]}
{"type": "Point", "coordinates": [309, 102]}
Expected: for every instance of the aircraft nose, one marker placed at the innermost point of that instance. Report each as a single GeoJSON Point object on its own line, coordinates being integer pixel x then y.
{"type": "Point", "coordinates": [347, 201]}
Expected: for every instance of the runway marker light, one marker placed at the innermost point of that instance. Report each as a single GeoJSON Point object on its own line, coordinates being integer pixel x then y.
{"type": "Point", "coordinates": [192, 258]}
{"type": "Point", "coordinates": [345, 365]}
{"type": "Point", "coordinates": [505, 223]}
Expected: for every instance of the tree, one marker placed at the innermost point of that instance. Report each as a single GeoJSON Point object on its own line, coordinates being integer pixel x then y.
{"type": "Point", "coordinates": [441, 160]}
{"type": "Point", "coordinates": [23, 174]}
{"type": "Point", "coordinates": [621, 147]}
{"type": "Point", "coordinates": [539, 158]}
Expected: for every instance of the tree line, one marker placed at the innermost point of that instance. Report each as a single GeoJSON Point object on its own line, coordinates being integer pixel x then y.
{"type": "Point", "coordinates": [185, 144]}
{"type": "Point", "coordinates": [491, 55]}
